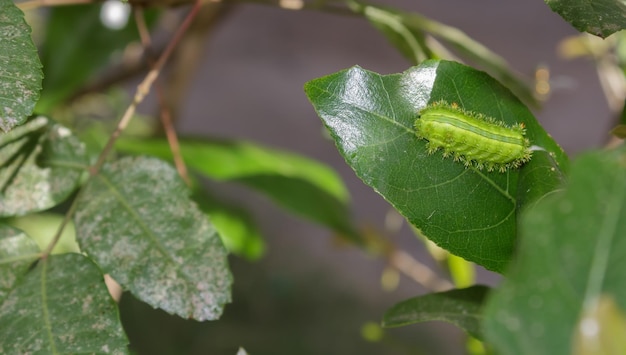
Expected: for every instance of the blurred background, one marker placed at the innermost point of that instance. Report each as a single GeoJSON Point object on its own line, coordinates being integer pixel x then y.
{"type": "Point", "coordinates": [309, 293]}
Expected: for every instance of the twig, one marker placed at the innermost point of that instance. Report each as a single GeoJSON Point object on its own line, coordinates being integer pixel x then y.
{"type": "Point", "coordinates": [420, 273]}
{"type": "Point", "coordinates": [402, 261]}
{"type": "Point", "coordinates": [144, 88]}
{"type": "Point", "coordinates": [59, 232]}
{"type": "Point", "coordinates": [166, 118]}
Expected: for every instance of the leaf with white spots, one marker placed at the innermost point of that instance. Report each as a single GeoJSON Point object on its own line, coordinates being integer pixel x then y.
{"type": "Point", "coordinates": [136, 220]}
{"type": "Point", "coordinates": [571, 257]}
{"type": "Point", "coordinates": [598, 17]}
{"type": "Point", "coordinates": [20, 68]}
{"type": "Point", "coordinates": [60, 306]}
{"type": "Point", "coordinates": [41, 163]}
{"type": "Point", "coordinates": [17, 252]}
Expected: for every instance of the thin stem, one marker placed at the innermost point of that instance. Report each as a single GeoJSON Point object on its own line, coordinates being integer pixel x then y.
{"type": "Point", "coordinates": [166, 117]}
{"type": "Point", "coordinates": [402, 261]}
{"type": "Point", "coordinates": [144, 88]}
{"type": "Point", "coordinates": [172, 139]}
{"type": "Point", "coordinates": [420, 273]}
{"type": "Point", "coordinates": [57, 236]}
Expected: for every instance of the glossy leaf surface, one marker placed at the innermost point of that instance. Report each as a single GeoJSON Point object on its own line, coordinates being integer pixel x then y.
{"type": "Point", "coordinates": [472, 213]}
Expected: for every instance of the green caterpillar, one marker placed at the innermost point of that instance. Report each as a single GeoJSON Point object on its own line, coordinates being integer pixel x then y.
{"type": "Point", "coordinates": [474, 139]}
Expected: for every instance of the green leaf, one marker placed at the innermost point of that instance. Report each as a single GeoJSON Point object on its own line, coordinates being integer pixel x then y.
{"type": "Point", "coordinates": [41, 163]}
{"type": "Point", "coordinates": [301, 185]}
{"type": "Point", "coordinates": [235, 226]}
{"type": "Point", "coordinates": [76, 47]}
{"type": "Point", "coordinates": [60, 306]}
{"type": "Point", "coordinates": [20, 69]}
{"type": "Point", "coordinates": [136, 220]}
{"type": "Point", "coordinates": [598, 17]}
{"type": "Point", "coordinates": [460, 307]}
{"type": "Point", "coordinates": [571, 254]}
{"type": "Point", "coordinates": [17, 252]}
{"type": "Point", "coordinates": [468, 212]}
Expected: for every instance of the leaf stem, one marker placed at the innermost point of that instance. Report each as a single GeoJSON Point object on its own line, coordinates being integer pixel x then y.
{"type": "Point", "coordinates": [165, 113]}
{"type": "Point", "coordinates": [144, 88]}
{"type": "Point", "coordinates": [419, 272]}
{"type": "Point", "coordinates": [59, 232]}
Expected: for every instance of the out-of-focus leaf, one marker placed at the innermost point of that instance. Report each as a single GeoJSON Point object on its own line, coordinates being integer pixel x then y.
{"type": "Point", "coordinates": [410, 41]}
{"type": "Point", "coordinates": [60, 306]}
{"type": "Point", "coordinates": [598, 17]}
{"type": "Point", "coordinates": [471, 213]}
{"type": "Point", "coordinates": [301, 185]}
{"type": "Point", "coordinates": [570, 256]}
{"type": "Point", "coordinates": [225, 160]}
{"type": "Point", "coordinates": [40, 165]}
{"type": "Point", "coordinates": [460, 307]}
{"type": "Point", "coordinates": [20, 69]}
{"type": "Point", "coordinates": [17, 252]}
{"type": "Point", "coordinates": [136, 220]}
{"type": "Point", "coordinates": [42, 227]}
{"type": "Point", "coordinates": [235, 226]}
{"type": "Point", "coordinates": [406, 31]}
{"type": "Point", "coordinates": [77, 45]}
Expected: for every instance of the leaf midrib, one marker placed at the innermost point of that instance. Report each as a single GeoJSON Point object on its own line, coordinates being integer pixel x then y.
{"type": "Point", "coordinates": [143, 226]}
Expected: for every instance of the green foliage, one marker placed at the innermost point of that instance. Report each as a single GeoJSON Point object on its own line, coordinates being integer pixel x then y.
{"type": "Point", "coordinates": [75, 49]}
{"type": "Point", "coordinates": [235, 225]}
{"type": "Point", "coordinates": [42, 164]}
{"type": "Point", "coordinates": [461, 307]}
{"type": "Point", "coordinates": [554, 234]}
{"type": "Point", "coordinates": [136, 221]}
{"type": "Point", "coordinates": [20, 69]}
{"type": "Point", "coordinates": [55, 305]}
{"type": "Point", "coordinates": [17, 252]}
{"type": "Point", "coordinates": [599, 17]}
{"type": "Point", "coordinates": [570, 256]}
{"type": "Point", "coordinates": [371, 118]}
